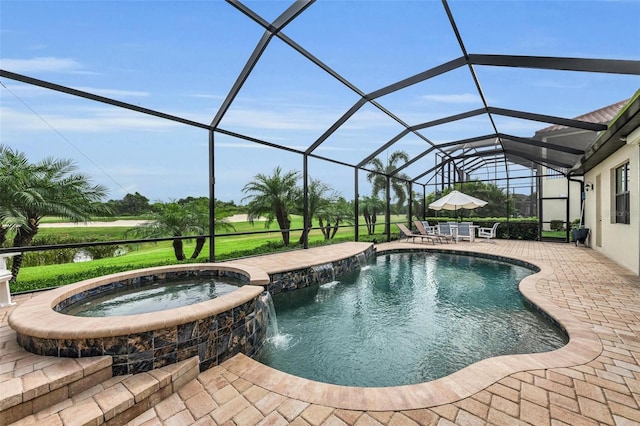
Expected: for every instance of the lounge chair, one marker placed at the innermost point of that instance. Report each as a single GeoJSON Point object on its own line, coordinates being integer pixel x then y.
{"type": "Point", "coordinates": [408, 234]}
{"type": "Point", "coordinates": [429, 232]}
{"type": "Point", "coordinates": [488, 233]}
{"type": "Point", "coordinates": [445, 230]}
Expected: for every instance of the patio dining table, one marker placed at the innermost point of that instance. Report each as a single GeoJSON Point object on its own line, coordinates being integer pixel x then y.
{"type": "Point", "coordinates": [472, 232]}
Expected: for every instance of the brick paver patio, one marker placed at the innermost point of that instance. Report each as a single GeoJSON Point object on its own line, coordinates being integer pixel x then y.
{"type": "Point", "coordinates": [604, 391]}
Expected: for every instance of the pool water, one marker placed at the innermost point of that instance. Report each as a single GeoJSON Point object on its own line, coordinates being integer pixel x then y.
{"type": "Point", "coordinates": [155, 296]}
{"type": "Point", "coordinates": [407, 318]}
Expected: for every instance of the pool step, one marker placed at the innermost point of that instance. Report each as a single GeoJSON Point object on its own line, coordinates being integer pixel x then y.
{"type": "Point", "coordinates": [118, 399]}
{"type": "Point", "coordinates": [30, 383]}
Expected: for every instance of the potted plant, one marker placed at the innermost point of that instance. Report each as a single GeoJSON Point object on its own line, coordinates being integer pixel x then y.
{"type": "Point", "coordinates": [578, 232]}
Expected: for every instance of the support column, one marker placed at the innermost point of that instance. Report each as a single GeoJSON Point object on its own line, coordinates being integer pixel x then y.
{"type": "Point", "coordinates": [356, 205]}
{"type": "Point", "coordinates": [212, 200]}
{"type": "Point", "coordinates": [387, 212]}
{"type": "Point", "coordinates": [305, 208]}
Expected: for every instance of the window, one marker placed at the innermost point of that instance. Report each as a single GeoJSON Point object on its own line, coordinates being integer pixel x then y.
{"type": "Point", "coordinates": [622, 194]}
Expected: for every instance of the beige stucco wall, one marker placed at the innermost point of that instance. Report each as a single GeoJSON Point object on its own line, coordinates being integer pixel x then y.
{"type": "Point", "coordinates": [556, 209]}
{"type": "Point", "coordinates": [620, 242]}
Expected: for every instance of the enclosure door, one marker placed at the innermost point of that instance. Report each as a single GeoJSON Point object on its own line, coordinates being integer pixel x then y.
{"type": "Point", "coordinates": [554, 219]}
{"type": "Point", "coordinates": [598, 212]}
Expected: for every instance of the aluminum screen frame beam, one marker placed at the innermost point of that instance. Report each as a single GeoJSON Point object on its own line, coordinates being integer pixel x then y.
{"type": "Point", "coordinates": [607, 66]}
{"type": "Point", "coordinates": [577, 124]}
{"type": "Point", "coordinates": [283, 20]}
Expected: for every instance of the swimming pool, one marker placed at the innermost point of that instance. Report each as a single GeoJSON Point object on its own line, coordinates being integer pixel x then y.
{"type": "Point", "coordinates": [407, 318]}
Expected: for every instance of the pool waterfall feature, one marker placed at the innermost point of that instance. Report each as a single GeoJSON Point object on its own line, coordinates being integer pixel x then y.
{"type": "Point", "coordinates": [215, 330]}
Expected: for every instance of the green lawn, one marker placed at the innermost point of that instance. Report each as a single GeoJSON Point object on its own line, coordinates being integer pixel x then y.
{"type": "Point", "coordinates": [554, 234]}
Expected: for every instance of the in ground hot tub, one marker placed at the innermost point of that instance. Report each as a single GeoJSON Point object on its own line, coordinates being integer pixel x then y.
{"type": "Point", "coordinates": [214, 329]}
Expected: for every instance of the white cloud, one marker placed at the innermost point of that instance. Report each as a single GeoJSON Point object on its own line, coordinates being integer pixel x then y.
{"type": "Point", "coordinates": [557, 84]}
{"type": "Point", "coordinates": [463, 98]}
{"type": "Point", "coordinates": [42, 64]}
{"type": "Point", "coordinates": [91, 120]}
{"type": "Point", "coordinates": [294, 119]}
{"type": "Point", "coordinates": [369, 119]}
{"type": "Point", "coordinates": [205, 96]}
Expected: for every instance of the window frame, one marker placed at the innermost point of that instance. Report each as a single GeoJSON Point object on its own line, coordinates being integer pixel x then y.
{"type": "Point", "coordinates": [621, 194]}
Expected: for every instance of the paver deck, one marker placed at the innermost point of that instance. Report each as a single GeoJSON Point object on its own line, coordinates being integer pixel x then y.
{"type": "Point", "coordinates": [600, 298]}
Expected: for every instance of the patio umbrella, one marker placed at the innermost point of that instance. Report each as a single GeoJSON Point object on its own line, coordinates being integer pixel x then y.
{"type": "Point", "coordinates": [457, 200]}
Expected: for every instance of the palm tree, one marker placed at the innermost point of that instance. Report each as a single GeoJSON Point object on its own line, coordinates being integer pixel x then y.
{"type": "Point", "coordinates": [332, 215]}
{"type": "Point", "coordinates": [14, 167]}
{"type": "Point", "coordinates": [180, 220]}
{"type": "Point", "coordinates": [50, 187]}
{"type": "Point", "coordinates": [320, 196]}
{"type": "Point", "coordinates": [369, 208]}
{"type": "Point", "coordinates": [273, 197]}
{"type": "Point", "coordinates": [379, 181]}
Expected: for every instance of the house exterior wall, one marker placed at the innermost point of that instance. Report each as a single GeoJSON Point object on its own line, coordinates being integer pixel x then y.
{"type": "Point", "coordinates": [620, 242]}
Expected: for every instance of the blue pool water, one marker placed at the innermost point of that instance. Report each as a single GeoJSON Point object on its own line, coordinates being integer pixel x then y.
{"type": "Point", "coordinates": [406, 318]}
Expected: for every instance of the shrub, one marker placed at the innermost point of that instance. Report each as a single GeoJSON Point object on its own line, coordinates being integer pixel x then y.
{"type": "Point", "coordinates": [102, 252]}
{"type": "Point", "coordinates": [64, 279]}
{"type": "Point", "coordinates": [63, 255]}
{"type": "Point", "coordinates": [557, 225]}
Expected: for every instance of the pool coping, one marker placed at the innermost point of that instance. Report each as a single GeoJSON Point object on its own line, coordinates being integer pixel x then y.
{"type": "Point", "coordinates": [583, 346]}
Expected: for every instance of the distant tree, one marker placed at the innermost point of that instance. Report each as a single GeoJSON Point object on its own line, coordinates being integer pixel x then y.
{"type": "Point", "coordinates": [273, 197]}
{"type": "Point", "coordinates": [50, 187]}
{"type": "Point", "coordinates": [135, 204]}
{"type": "Point", "coordinates": [227, 208]}
{"type": "Point", "coordinates": [190, 199]}
{"type": "Point", "coordinates": [496, 198]}
{"type": "Point", "coordinates": [369, 208]}
{"type": "Point", "coordinates": [130, 205]}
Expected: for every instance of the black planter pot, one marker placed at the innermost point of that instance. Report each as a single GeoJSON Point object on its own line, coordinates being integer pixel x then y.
{"type": "Point", "coordinates": [580, 235]}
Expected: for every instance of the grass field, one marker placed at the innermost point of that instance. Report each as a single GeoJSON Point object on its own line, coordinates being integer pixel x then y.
{"type": "Point", "coordinates": [141, 255]}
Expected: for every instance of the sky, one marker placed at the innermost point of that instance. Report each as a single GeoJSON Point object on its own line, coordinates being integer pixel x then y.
{"type": "Point", "coordinates": [183, 58]}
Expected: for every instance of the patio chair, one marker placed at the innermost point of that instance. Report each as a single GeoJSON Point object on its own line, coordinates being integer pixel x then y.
{"type": "Point", "coordinates": [488, 233]}
{"type": "Point", "coordinates": [408, 234]}
{"type": "Point", "coordinates": [465, 231]}
{"type": "Point", "coordinates": [430, 231]}
{"type": "Point", "coordinates": [445, 231]}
